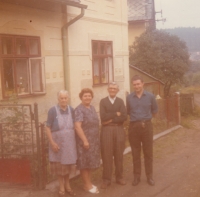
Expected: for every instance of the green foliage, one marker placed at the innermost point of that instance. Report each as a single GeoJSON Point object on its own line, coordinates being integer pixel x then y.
{"type": "Point", "coordinates": [162, 55]}
{"type": "Point", "coordinates": [192, 77]}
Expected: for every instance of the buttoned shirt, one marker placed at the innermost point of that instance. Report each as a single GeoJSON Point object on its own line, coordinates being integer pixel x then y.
{"type": "Point", "coordinates": [141, 108]}
{"type": "Point", "coordinates": [112, 100]}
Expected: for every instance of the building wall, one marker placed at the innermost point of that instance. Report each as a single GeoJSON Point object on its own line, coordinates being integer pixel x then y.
{"type": "Point", "coordinates": [135, 30]}
{"type": "Point", "coordinates": [19, 20]}
{"type": "Point", "coordinates": [103, 20]}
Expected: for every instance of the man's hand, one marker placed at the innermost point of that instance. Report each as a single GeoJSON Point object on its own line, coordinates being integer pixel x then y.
{"type": "Point", "coordinates": [118, 113]}
{"type": "Point", "coordinates": [55, 147]}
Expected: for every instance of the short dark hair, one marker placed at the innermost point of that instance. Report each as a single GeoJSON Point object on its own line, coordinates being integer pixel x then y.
{"type": "Point", "coordinates": [137, 77]}
{"type": "Point", "coordinates": [85, 90]}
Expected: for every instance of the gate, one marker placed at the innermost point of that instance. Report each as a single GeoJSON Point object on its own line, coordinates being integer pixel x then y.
{"type": "Point", "coordinates": [23, 154]}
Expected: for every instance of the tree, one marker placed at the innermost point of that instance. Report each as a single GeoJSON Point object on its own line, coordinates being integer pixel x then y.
{"type": "Point", "coordinates": [162, 55]}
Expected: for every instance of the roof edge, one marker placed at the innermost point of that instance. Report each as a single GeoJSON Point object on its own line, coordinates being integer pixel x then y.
{"type": "Point", "coordinates": [146, 73]}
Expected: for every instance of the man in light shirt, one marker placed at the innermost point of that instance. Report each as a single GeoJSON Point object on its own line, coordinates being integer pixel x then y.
{"type": "Point", "coordinates": [113, 114]}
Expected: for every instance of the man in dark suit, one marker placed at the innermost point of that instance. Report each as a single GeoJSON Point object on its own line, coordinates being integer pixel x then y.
{"type": "Point", "coordinates": [141, 106]}
{"type": "Point", "coordinates": [113, 114]}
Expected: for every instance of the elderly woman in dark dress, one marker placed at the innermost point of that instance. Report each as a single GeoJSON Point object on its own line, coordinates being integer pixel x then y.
{"type": "Point", "coordinates": [62, 142]}
{"type": "Point", "coordinates": [88, 143]}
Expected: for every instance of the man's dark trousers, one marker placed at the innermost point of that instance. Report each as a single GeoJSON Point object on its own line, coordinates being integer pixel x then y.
{"type": "Point", "coordinates": [141, 136]}
{"type": "Point", "coordinates": [112, 144]}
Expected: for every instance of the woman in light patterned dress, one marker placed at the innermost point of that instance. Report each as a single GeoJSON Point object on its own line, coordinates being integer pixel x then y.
{"type": "Point", "coordinates": [88, 143]}
{"type": "Point", "coordinates": [62, 142]}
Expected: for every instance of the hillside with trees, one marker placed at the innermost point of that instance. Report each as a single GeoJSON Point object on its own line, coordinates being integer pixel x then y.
{"type": "Point", "coordinates": [190, 35]}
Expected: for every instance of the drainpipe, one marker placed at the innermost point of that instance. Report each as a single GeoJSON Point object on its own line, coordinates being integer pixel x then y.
{"type": "Point", "coordinates": [65, 43]}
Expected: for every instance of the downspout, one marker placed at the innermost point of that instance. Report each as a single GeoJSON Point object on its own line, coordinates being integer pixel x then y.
{"type": "Point", "coordinates": [66, 47]}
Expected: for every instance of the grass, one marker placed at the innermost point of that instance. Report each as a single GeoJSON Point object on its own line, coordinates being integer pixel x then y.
{"type": "Point", "coordinates": [186, 120]}
{"type": "Point", "coordinates": [190, 89]}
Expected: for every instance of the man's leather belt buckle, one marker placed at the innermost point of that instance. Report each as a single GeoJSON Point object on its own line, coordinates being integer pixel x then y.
{"type": "Point", "coordinates": [142, 123]}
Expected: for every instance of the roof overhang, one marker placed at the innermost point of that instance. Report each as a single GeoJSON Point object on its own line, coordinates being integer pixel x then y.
{"type": "Point", "coordinates": [141, 21]}
{"type": "Point", "coordinates": [145, 73]}
{"type": "Point", "coordinates": [50, 5]}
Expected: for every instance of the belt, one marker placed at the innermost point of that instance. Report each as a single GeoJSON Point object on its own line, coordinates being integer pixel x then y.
{"type": "Point", "coordinates": [140, 121]}
{"type": "Point", "coordinates": [113, 124]}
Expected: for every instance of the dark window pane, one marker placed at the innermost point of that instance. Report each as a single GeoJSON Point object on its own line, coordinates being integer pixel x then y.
{"type": "Point", "coordinates": [22, 76]}
{"type": "Point", "coordinates": [7, 46]}
{"type": "Point", "coordinates": [34, 46]}
{"type": "Point", "coordinates": [8, 77]}
{"type": "Point", "coordinates": [96, 71]}
{"type": "Point", "coordinates": [95, 48]}
{"type": "Point", "coordinates": [104, 71]}
{"type": "Point", "coordinates": [21, 46]}
{"type": "Point", "coordinates": [102, 47]}
{"type": "Point", "coordinates": [110, 66]}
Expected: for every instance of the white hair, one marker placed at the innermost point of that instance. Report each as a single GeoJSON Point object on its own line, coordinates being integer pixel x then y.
{"type": "Point", "coordinates": [63, 92]}
{"type": "Point", "coordinates": [113, 83]}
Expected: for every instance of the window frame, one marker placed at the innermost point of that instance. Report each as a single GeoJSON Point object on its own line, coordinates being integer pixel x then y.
{"type": "Point", "coordinates": [14, 57]}
{"type": "Point", "coordinates": [99, 57]}
{"type": "Point", "coordinates": [42, 73]}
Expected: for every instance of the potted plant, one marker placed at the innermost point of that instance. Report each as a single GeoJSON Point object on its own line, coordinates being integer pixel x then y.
{"type": "Point", "coordinates": [22, 85]}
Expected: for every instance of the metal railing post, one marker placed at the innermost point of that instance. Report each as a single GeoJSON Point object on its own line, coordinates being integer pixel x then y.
{"type": "Point", "coordinates": [39, 175]}
{"type": "Point", "coordinates": [167, 111]}
{"type": "Point", "coordinates": [1, 140]}
{"type": "Point", "coordinates": [177, 104]}
{"type": "Point", "coordinates": [44, 163]}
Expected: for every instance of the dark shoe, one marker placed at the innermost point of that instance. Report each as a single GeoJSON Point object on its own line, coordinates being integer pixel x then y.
{"type": "Point", "coordinates": [136, 181]}
{"type": "Point", "coordinates": [104, 185]}
{"type": "Point", "coordinates": [121, 182]}
{"type": "Point", "coordinates": [151, 182]}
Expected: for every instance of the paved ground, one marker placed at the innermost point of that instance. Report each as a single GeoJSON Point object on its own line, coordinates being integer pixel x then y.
{"type": "Point", "coordinates": [176, 172]}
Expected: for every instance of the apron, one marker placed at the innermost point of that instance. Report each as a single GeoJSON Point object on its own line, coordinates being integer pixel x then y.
{"type": "Point", "coordinates": [65, 139]}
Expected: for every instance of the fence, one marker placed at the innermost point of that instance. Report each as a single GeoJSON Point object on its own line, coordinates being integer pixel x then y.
{"type": "Point", "coordinates": [187, 103]}
{"type": "Point", "coordinates": [168, 113]}
{"type": "Point", "coordinates": [22, 146]}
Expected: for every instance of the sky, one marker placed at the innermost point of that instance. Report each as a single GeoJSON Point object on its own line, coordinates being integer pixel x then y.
{"type": "Point", "coordinates": [178, 13]}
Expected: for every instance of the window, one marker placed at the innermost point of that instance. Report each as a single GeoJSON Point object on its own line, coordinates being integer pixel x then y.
{"type": "Point", "coordinates": [22, 69]}
{"type": "Point", "coordinates": [102, 62]}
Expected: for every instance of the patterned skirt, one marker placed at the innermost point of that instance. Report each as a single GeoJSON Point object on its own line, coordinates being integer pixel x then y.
{"type": "Point", "coordinates": [62, 169]}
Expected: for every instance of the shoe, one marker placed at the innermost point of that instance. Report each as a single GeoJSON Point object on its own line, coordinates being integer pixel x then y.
{"type": "Point", "coordinates": [104, 185]}
{"type": "Point", "coordinates": [93, 190]}
{"type": "Point", "coordinates": [121, 182]}
{"type": "Point", "coordinates": [151, 182]}
{"type": "Point", "coordinates": [136, 181]}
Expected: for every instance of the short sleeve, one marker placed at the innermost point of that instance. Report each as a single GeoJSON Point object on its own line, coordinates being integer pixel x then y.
{"type": "Point", "coordinates": [78, 115]}
{"type": "Point", "coordinates": [50, 118]}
